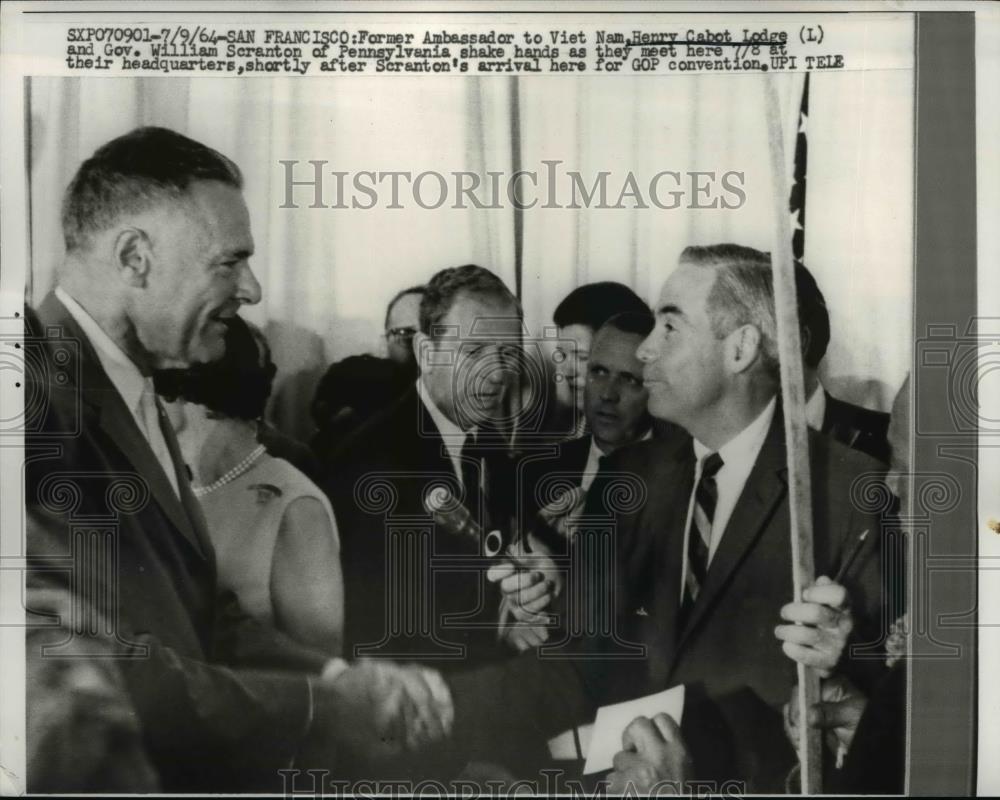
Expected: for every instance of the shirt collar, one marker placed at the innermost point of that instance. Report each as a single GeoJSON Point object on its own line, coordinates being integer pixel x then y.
{"type": "Point", "coordinates": [596, 452]}
{"type": "Point", "coordinates": [816, 408]}
{"type": "Point", "coordinates": [744, 446]}
{"type": "Point", "coordinates": [121, 370]}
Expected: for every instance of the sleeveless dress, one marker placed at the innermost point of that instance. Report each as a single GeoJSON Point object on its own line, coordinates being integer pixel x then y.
{"type": "Point", "coordinates": [244, 518]}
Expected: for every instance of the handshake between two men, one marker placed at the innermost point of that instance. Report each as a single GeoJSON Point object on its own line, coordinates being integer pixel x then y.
{"type": "Point", "coordinates": [377, 710]}
{"type": "Point", "coordinates": [372, 711]}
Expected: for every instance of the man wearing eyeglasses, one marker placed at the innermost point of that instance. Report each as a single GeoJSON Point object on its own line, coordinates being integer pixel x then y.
{"type": "Point", "coordinates": [402, 321]}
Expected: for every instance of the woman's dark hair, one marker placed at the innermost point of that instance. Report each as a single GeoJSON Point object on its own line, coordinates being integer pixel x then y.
{"type": "Point", "coordinates": [363, 383]}
{"type": "Point", "coordinates": [237, 385]}
{"type": "Point", "coordinates": [593, 304]}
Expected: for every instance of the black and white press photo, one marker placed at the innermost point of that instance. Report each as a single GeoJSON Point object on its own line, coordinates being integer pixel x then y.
{"type": "Point", "coordinates": [453, 401]}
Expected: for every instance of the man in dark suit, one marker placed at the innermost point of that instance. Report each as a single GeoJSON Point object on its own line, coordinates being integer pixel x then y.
{"type": "Point", "coordinates": [858, 427]}
{"type": "Point", "coordinates": [614, 404]}
{"type": "Point", "coordinates": [554, 487]}
{"type": "Point", "coordinates": [157, 248]}
{"type": "Point", "coordinates": [702, 567]}
{"type": "Point", "coordinates": [577, 318]}
{"type": "Point", "coordinates": [442, 433]}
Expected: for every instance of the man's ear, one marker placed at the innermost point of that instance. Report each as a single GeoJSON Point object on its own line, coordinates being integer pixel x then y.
{"type": "Point", "coordinates": [421, 342]}
{"type": "Point", "coordinates": [742, 348]}
{"type": "Point", "coordinates": [133, 256]}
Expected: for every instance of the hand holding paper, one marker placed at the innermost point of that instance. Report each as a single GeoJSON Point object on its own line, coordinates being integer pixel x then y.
{"type": "Point", "coordinates": [612, 721]}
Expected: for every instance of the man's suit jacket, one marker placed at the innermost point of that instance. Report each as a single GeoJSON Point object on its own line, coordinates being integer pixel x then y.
{"type": "Point", "coordinates": [857, 427]}
{"type": "Point", "coordinates": [544, 473]}
{"type": "Point", "coordinates": [412, 589]}
{"type": "Point", "coordinates": [105, 523]}
{"type": "Point", "coordinates": [726, 653]}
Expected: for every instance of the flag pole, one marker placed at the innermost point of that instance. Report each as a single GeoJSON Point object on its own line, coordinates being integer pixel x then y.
{"type": "Point", "coordinates": [796, 434]}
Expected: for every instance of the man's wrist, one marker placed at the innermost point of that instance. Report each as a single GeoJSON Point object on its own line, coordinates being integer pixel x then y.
{"type": "Point", "coordinates": [333, 669]}
{"type": "Point", "coordinates": [321, 706]}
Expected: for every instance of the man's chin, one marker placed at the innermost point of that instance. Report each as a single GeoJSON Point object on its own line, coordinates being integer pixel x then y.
{"type": "Point", "coordinates": [607, 433]}
{"type": "Point", "coordinates": [665, 412]}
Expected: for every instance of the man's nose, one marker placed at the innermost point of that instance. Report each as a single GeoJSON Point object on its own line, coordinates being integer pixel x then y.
{"type": "Point", "coordinates": [248, 289]}
{"type": "Point", "coordinates": [609, 392]}
{"type": "Point", "coordinates": [646, 351]}
{"type": "Point", "coordinates": [497, 374]}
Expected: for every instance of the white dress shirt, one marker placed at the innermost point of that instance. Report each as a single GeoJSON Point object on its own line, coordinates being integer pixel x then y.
{"type": "Point", "coordinates": [738, 455]}
{"type": "Point", "coordinates": [816, 408]}
{"type": "Point", "coordinates": [453, 436]}
{"type": "Point", "coordinates": [135, 388]}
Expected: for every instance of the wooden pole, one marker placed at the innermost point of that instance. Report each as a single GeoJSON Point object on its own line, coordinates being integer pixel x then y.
{"type": "Point", "coordinates": [796, 435]}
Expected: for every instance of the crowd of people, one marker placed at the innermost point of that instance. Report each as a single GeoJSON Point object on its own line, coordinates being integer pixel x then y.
{"type": "Point", "coordinates": [480, 546]}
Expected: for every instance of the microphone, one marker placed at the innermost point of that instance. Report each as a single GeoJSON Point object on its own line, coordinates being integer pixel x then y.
{"type": "Point", "coordinates": [451, 515]}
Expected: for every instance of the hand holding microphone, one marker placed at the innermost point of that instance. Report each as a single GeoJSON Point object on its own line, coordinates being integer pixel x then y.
{"type": "Point", "coordinates": [529, 580]}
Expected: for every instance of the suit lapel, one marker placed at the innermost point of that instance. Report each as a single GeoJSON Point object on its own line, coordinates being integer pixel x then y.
{"type": "Point", "coordinates": [429, 444]}
{"type": "Point", "coordinates": [765, 487]}
{"type": "Point", "coordinates": [575, 454]}
{"type": "Point", "coordinates": [117, 422]}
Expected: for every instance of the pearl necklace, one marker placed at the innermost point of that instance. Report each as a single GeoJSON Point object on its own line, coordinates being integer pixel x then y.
{"type": "Point", "coordinates": [233, 474]}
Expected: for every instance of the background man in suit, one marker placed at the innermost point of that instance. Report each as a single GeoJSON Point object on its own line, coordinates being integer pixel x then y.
{"type": "Point", "coordinates": [703, 566]}
{"type": "Point", "coordinates": [614, 404]}
{"type": "Point", "coordinates": [577, 318]}
{"type": "Point", "coordinates": [443, 432]}
{"type": "Point", "coordinates": [858, 427]}
{"type": "Point", "coordinates": [157, 248]}
{"type": "Point", "coordinates": [402, 321]}
{"type": "Point", "coordinates": [615, 407]}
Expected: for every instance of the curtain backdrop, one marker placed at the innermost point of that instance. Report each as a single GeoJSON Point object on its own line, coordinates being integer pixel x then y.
{"type": "Point", "coordinates": [327, 273]}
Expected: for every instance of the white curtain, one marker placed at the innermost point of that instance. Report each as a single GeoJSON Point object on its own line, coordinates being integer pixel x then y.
{"type": "Point", "coordinates": [328, 273]}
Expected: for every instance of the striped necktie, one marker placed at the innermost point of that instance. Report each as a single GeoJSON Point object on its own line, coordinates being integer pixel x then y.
{"type": "Point", "coordinates": [706, 495]}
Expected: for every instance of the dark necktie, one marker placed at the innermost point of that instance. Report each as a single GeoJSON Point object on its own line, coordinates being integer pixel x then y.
{"type": "Point", "coordinates": [706, 495]}
{"type": "Point", "coordinates": [473, 466]}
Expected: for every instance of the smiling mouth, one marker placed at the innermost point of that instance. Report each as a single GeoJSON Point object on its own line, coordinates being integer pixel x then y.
{"type": "Point", "coordinates": [222, 314]}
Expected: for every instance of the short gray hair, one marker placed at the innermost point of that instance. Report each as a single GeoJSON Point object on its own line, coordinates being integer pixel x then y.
{"type": "Point", "coordinates": [743, 294]}
{"type": "Point", "coordinates": [134, 172]}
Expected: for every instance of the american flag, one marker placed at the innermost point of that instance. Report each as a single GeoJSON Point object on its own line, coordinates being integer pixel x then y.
{"type": "Point", "coordinates": [797, 197]}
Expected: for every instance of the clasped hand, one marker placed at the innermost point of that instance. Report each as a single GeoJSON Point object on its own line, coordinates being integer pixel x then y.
{"type": "Point", "coordinates": [380, 708]}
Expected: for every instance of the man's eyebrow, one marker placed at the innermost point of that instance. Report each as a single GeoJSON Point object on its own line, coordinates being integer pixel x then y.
{"type": "Point", "coordinates": [239, 254]}
{"type": "Point", "coordinates": [670, 308]}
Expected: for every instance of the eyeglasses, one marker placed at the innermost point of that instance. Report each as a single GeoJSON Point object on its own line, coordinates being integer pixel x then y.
{"type": "Point", "coordinates": [400, 333]}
